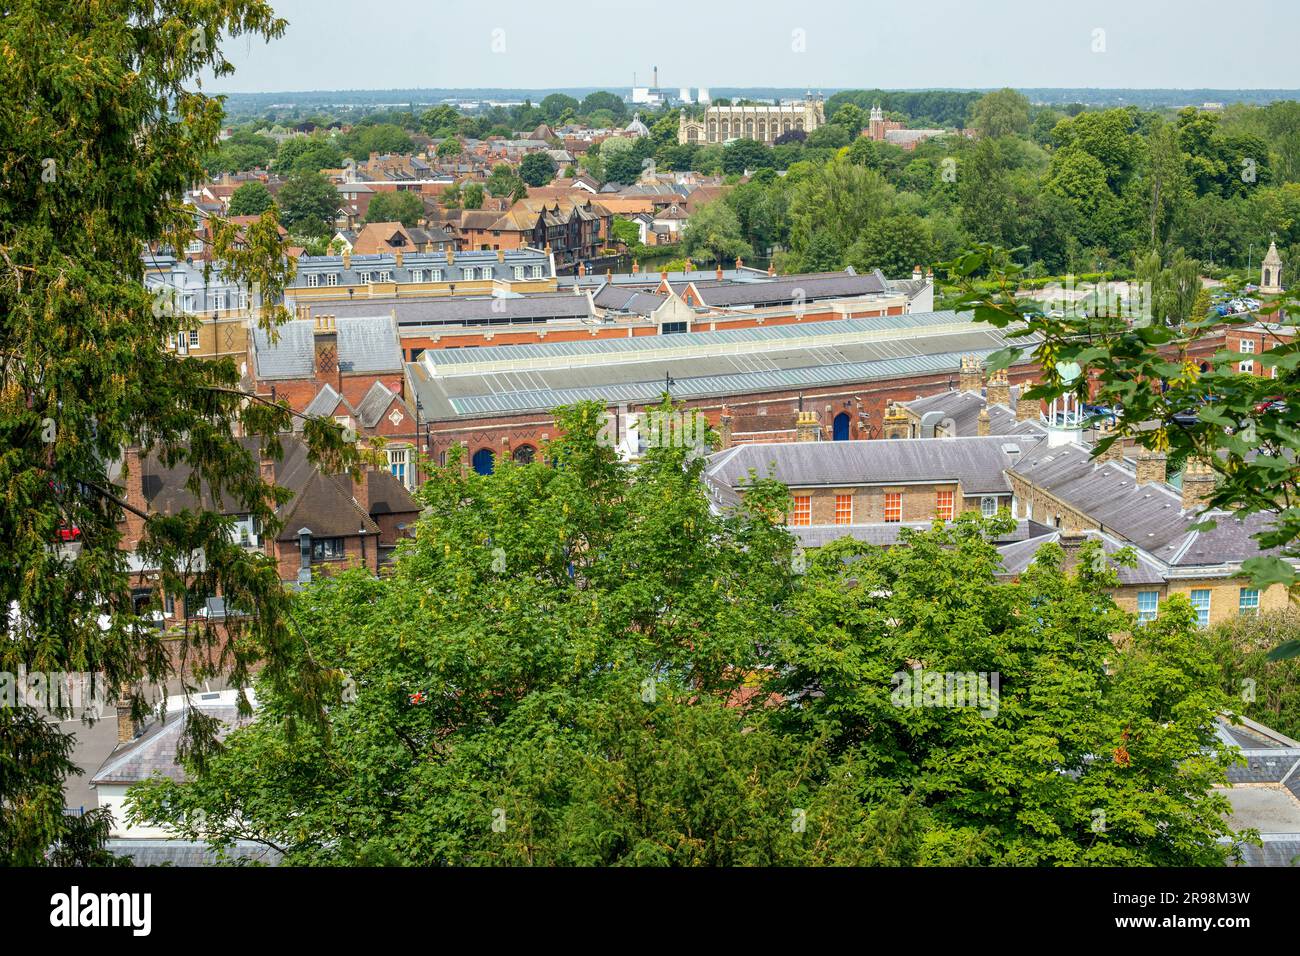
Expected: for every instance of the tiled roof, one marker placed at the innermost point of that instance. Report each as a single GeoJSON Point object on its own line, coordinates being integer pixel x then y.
{"type": "Point", "coordinates": [153, 753]}
{"type": "Point", "coordinates": [978, 464]}
{"type": "Point", "coordinates": [365, 344]}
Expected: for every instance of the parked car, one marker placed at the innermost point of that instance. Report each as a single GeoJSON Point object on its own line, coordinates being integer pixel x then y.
{"type": "Point", "coordinates": [1274, 403]}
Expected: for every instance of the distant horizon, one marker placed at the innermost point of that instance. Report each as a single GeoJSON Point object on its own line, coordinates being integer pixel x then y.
{"type": "Point", "coordinates": [828, 44]}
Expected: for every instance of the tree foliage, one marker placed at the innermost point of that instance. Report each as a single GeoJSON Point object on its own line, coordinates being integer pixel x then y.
{"type": "Point", "coordinates": [577, 662]}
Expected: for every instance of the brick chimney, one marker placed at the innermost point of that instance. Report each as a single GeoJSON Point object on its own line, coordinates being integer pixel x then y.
{"type": "Point", "coordinates": [1028, 409]}
{"type": "Point", "coordinates": [725, 423]}
{"type": "Point", "coordinates": [971, 378]}
{"type": "Point", "coordinates": [998, 390]}
{"type": "Point", "coordinates": [1150, 466]}
{"type": "Point", "coordinates": [636, 267]}
{"type": "Point", "coordinates": [397, 259]}
{"type": "Point", "coordinates": [133, 493]}
{"type": "Point", "coordinates": [807, 428]}
{"type": "Point", "coordinates": [126, 725]}
{"type": "Point", "coordinates": [982, 423]}
{"type": "Point", "coordinates": [740, 263]}
{"type": "Point", "coordinates": [718, 274]}
{"type": "Point", "coordinates": [1198, 484]}
{"type": "Point", "coordinates": [1116, 451]}
{"type": "Point", "coordinates": [582, 269]}
{"type": "Point", "coordinates": [361, 490]}
{"type": "Point", "coordinates": [325, 338]}
{"type": "Point", "coordinates": [347, 259]}
{"type": "Point", "coordinates": [501, 255]}
{"type": "Point", "coordinates": [771, 269]}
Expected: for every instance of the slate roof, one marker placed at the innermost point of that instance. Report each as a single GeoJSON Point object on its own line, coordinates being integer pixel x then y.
{"type": "Point", "coordinates": [963, 409]}
{"type": "Point", "coordinates": [189, 853]}
{"type": "Point", "coordinates": [323, 503]}
{"type": "Point", "coordinates": [386, 261]}
{"type": "Point", "coordinates": [412, 312]}
{"type": "Point", "coordinates": [1017, 557]}
{"type": "Point", "coordinates": [635, 301]}
{"type": "Point", "coordinates": [784, 291]}
{"type": "Point", "coordinates": [978, 464]}
{"type": "Point", "coordinates": [365, 344]}
{"type": "Point", "coordinates": [153, 753]}
{"type": "Point", "coordinates": [1150, 516]}
{"type": "Point", "coordinates": [816, 536]}
{"type": "Point", "coordinates": [374, 403]}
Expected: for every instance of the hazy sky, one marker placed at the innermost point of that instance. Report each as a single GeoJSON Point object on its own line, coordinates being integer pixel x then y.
{"type": "Point", "coordinates": [332, 44]}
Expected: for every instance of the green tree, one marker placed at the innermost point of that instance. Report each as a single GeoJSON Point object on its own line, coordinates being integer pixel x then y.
{"type": "Point", "coordinates": [838, 200]}
{"type": "Point", "coordinates": [565, 668]}
{"type": "Point", "coordinates": [250, 199]}
{"type": "Point", "coordinates": [471, 195]}
{"type": "Point", "coordinates": [449, 147]}
{"type": "Point", "coordinates": [308, 203]}
{"type": "Point", "coordinates": [557, 104]}
{"type": "Point", "coordinates": [404, 207]}
{"type": "Point", "coordinates": [440, 121]}
{"type": "Point", "coordinates": [744, 154]}
{"type": "Point", "coordinates": [603, 101]}
{"type": "Point", "coordinates": [894, 245]}
{"type": "Point", "coordinates": [830, 136]}
{"type": "Point", "coordinates": [1000, 113]}
{"type": "Point", "coordinates": [713, 232]}
{"type": "Point", "coordinates": [87, 374]}
{"type": "Point", "coordinates": [1262, 689]}
{"type": "Point", "coordinates": [1079, 731]}
{"type": "Point", "coordinates": [537, 169]}
{"type": "Point", "coordinates": [1240, 432]}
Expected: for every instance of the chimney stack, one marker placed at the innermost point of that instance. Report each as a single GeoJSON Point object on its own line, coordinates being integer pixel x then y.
{"type": "Point", "coordinates": [1028, 409]}
{"type": "Point", "coordinates": [999, 389]}
{"type": "Point", "coordinates": [361, 490]}
{"type": "Point", "coordinates": [1150, 466]}
{"type": "Point", "coordinates": [1198, 484]}
{"type": "Point", "coordinates": [807, 428]}
{"type": "Point", "coordinates": [347, 258]}
{"type": "Point", "coordinates": [1116, 451]}
{"type": "Point", "coordinates": [971, 377]}
{"type": "Point", "coordinates": [917, 274]}
{"type": "Point", "coordinates": [397, 259]}
{"type": "Point", "coordinates": [133, 492]}
{"type": "Point", "coordinates": [982, 423]}
{"type": "Point", "coordinates": [636, 267]}
{"type": "Point", "coordinates": [126, 725]}
{"type": "Point", "coordinates": [725, 423]}
{"type": "Point", "coordinates": [325, 338]}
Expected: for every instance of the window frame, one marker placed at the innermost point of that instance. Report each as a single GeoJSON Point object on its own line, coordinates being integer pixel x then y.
{"type": "Point", "coordinates": [802, 510]}
{"type": "Point", "coordinates": [1244, 609]}
{"type": "Point", "coordinates": [1202, 613]}
{"type": "Point", "coordinates": [844, 509]}
{"type": "Point", "coordinates": [939, 505]}
{"type": "Point", "coordinates": [894, 505]}
{"type": "Point", "coordinates": [1148, 614]}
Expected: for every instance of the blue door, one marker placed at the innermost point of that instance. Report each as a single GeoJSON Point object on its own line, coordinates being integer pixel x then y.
{"type": "Point", "coordinates": [483, 461]}
{"type": "Point", "coordinates": [840, 428]}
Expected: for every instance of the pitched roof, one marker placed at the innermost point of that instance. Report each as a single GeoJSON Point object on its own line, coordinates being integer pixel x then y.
{"type": "Point", "coordinates": [978, 464]}
{"type": "Point", "coordinates": [365, 344]}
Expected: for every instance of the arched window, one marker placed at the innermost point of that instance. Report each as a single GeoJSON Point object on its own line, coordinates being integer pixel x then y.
{"type": "Point", "coordinates": [840, 427]}
{"type": "Point", "coordinates": [483, 461]}
{"type": "Point", "coordinates": [1267, 276]}
{"type": "Point", "coordinates": [525, 454]}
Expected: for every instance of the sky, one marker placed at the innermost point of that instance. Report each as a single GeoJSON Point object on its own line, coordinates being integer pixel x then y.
{"type": "Point", "coordinates": [340, 44]}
